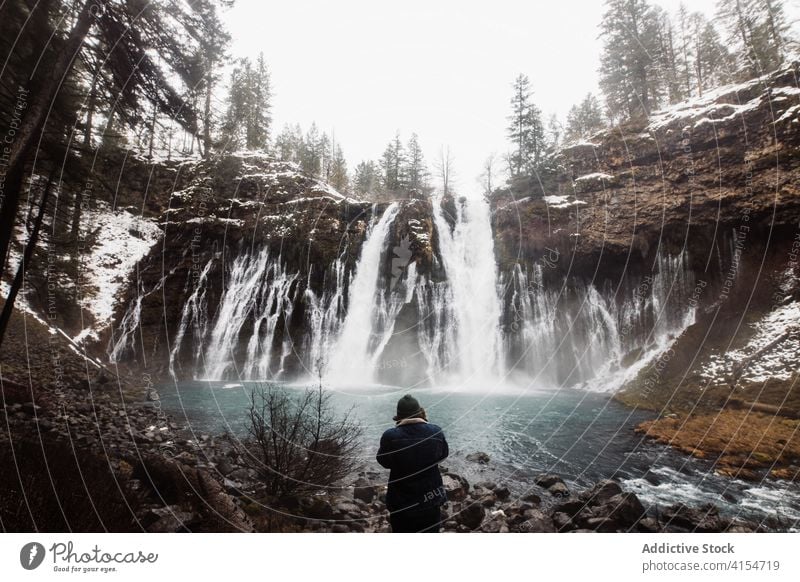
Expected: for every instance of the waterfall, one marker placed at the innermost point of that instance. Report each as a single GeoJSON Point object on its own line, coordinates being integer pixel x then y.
{"type": "Point", "coordinates": [257, 301]}
{"type": "Point", "coordinates": [354, 350]}
{"type": "Point", "coordinates": [580, 334]}
{"type": "Point", "coordinates": [194, 314]}
{"type": "Point", "coordinates": [475, 352]}
{"type": "Point", "coordinates": [576, 333]}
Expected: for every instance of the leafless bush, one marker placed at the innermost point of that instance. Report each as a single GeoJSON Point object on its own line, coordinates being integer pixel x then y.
{"type": "Point", "coordinates": [298, 444]}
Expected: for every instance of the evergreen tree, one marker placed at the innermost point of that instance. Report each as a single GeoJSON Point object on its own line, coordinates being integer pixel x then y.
{"type": "Point", "coordinates": [668, 76]}
{"type": "Point", "coordinates": [712, 61]}
{"type": "Point", "coordinates": [310, 154]}
{"type": "Point", "coordinates": [393, 162]}
{"type": "Point", "coordinates": [525, 130]}
{"type": "Point", "coordinates": [288, 143]}
{"type": "Point", "coordinates": [248, 118]}
{"type": "Point", "coordinates": [416, 173]}
{"type": "Point", "coordinates": [630, 59]}
{"type": "Point", "coordinates": [759, 32]}
{"type": "Point", "coordinates": [584, 119]}
{"type": "Point", "coordinates": [339, 178]}
{"type": "Point", "coordinates": [366, 179]}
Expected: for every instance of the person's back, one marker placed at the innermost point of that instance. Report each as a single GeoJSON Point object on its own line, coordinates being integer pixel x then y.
{"type": "Point", "coordinates": [411, 451]}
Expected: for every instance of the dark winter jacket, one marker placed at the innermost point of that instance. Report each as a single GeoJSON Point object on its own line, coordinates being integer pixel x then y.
{"type": "Point", "coordinates": [412, 453]}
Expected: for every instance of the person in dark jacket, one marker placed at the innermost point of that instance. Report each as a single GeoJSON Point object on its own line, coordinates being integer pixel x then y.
{"type": "Point", "coordinates": [411, 451]}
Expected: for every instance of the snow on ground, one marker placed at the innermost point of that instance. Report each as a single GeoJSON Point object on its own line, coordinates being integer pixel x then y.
{"type": "Point", "coordinates": [554, 201]}
{"type": "Point", "coordinates": [721, 105]}
{"type": "Point", "coordinates": [22, 306]}
{"type": "Point", "coordinates": [770, 353]}
{"type": "Point", "coordinates": [594, 176]}
{"type": "Point", "coordinates": [122, 240]}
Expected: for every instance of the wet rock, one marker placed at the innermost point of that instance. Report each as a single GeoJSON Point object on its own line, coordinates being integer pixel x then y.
{"type": "Point", "coordinates": [623, 509]}
{"type": "Point", "coordinates": [558, 490]}
{"type": "Point", "coordinates": [532, 498]}
{"type": "Point", "coordinates": [648, 525]}
{"type": "Point", "coordinates": [562, 521]}
{"type": "Point", "coordinates": [340, 528]}
{"type": "Point", "coordinates": [168, 519]}
{"type": "Point", "coordinates": [704, 519]}
{"type": "Point", "coordinates": [601, 524]}
{"type": "Point", "coordinates": [478, 457]}
{"type": "Point", "coordinates": [536, 522]}
{"type": "Point", "coordinates": [502, 493]}
{"type": "Point", "coordinates": [571, 507]}
{"type": "Point", "coordinates": [471, 515]}
{"type": "Point", "coordinates": [363, 490]}
{"type": "Point", "coordinates": [456, 486]}
{"type": "Point", "coordinates": [601, 492]}
{"type": "Point", "coordinates": [316, 508]}
{"type": "Point", "coordinates": [547, 480]}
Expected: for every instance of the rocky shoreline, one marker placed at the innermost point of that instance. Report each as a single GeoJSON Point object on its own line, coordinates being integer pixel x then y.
{"type": "Point", "coordinates": [176, 480]}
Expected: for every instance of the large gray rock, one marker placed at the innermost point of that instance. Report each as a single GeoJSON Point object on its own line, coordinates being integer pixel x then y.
{"type": "Point", "coordinates": [456, 486]}
{"type": "Point", "coordinates": [471, 515]}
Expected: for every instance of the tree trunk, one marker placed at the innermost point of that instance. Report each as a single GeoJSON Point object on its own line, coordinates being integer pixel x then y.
{"type": "Point", "coordinates": [207, 111]}
{"type": "Point", "coordinates": [87, 130]}
{"type": "Point", "coordinates": [16, 285]}
{"type": "Point", "coordinates": [33, 122]}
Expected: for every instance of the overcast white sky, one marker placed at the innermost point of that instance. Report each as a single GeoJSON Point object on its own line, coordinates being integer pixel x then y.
{"type": "Point", "coordinates": [444, 69]}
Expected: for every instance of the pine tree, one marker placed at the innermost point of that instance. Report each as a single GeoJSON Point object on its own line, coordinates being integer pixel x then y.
{"type": "Point", "coordinates": [393, 162]}
{"type": "Point", "coordinates": [686, 58]}
{"type": "Point", "coordinates": [713, 63]}
{"type": "Point", "coordinates": [525, 130]}
{"type": "Point", "coordinates": [339, 178]}
{"type": "Point", "coordinates": [668, 70]}
{"type": "Point", "coordinates": [248, 118]}
{"type": "Point", "coordinates": [288, 143]}
{"type": "Point", "coordinates": [310, 154]}
{"type": "Point", "coordinates": [758, 30]}
{"type": "Point", "coordinates": [584, 119]}
{"type": "Point", "coordinates": [415, 172]}
{"type": "Point", "coordinates": [630, 58]}
{"type": "Point", "coordinates": [366, 179]}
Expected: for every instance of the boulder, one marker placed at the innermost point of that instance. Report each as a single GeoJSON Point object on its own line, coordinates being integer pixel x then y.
{"type": "Point", "coordinates": [601, 492]}
{"type": "Point", "coordinates": [558, 490]}
{"type": "Point", "coordinates": [364, 491]}
{"type": "Point", "coordinates": [547, 480]}
{"type": "Point", "coordinates": [536, 522]}
{"type": "Point", "coordinates": [456, 486]}
{"type": "Point", "coordinates": [478, 457]}
{"type": "Point", "coordinates": [471, 516]}
{"type": "Point", "coordinates": [624, 509]}
{"type": "Point", "coordinates": [704, 519]}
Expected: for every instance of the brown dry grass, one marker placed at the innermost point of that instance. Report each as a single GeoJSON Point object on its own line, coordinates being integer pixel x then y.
{"type": "Point", "coordinates": [741, 443]}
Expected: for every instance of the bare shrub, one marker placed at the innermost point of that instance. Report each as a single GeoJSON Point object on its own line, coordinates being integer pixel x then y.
{"type": "Point", "coordinates": [299, 444]}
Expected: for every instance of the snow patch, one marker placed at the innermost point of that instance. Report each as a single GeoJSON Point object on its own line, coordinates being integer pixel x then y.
{"type": "Point", "coordinates": [122, 240]}
{"type": "Point", "coordinates": [554, 201]}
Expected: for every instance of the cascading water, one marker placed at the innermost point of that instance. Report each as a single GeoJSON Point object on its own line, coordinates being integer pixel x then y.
{"type": "Point", "coordinates": [474, 353]}
{"type": "Point", "coordinates": [577, 334]}
{"type": "Point", "coordinates": [259, 295]}
{"type": "Point", "coordinates": [354, 349]}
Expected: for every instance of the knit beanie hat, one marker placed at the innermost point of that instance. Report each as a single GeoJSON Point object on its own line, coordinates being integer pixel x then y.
{"type": "Point", "coordinates": [407, 406]}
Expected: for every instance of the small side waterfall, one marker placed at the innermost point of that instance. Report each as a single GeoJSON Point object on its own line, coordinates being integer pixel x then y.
{"type": "Point", "coordinates": [579, 334]}
{"type": "Point", "coordinates": [258, 300]}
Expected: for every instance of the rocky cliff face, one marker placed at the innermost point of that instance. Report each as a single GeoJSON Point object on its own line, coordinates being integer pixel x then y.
{"type": "Point", "coordinates": [713, 182]}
